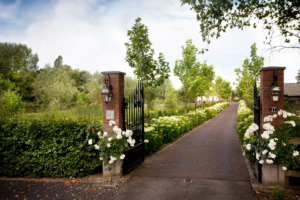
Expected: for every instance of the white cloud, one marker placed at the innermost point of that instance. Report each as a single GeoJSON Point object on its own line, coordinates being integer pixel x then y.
{"type": "Point", "coordinates": [90, 35]}
{"type": "Point", "coordinates": [9, 11]}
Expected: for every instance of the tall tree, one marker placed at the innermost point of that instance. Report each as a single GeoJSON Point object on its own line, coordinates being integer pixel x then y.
{"type": "Point", "coordinates": [298, 77]}
{"type": "Point", "coordinates": [281, 16]}
{"type": "Point", "coordinates": [139, 56]}
{"type": "Point", "coordinates": [18, 65]}
{"type": "Point", "coordinates": [58, 62]}
{"type": "Point", "coordinates": [195, 77]}
{"type": "Point", "coordinates": [247, 76]}
{"type": "Point", "coordinates": [222, 87]}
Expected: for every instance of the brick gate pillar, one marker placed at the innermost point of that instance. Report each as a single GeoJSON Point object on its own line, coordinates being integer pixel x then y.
{"type": "Point", "coordinates": [266, 80]}
{"type": "Point", "coordinates": [115, 105]}
{"type": "Point", "coordinates": [272, 174]}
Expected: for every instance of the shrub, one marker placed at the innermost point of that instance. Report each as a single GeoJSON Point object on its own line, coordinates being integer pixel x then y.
{"type": "Point", "coordinates": [10, 104]}
{"type": "Point", "coordinates": [48, 148]}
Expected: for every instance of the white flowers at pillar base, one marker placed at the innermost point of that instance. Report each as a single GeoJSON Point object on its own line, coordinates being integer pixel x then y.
{"type": "Point", "coordinates": [104, 134]}
{"type": "Point", "coordinates": [257, 156]}
{"type": "Point", "coordinates": [269, 161]}
{"type": "Point", "coordinates": [271, 155]}
{"type": "Point", "coordinates": [109, 139]}
{"type": "Point", "coordinates": [284, 168]}
{"type": "Point", "coordinates": [261, 162]}
{"type": "Point", "coordinates": [97, 147]}
{"type": "Point", "coordinates": [122, 156]}
{"type": "Point", "coordinates": [146, 141]}
{"type": "Point", "coordinates": [290, 122]}
{"type": "Point", "coordinates": [285, 114]}
{"type": "Point", "coordinates": [248, 146]}
{"type": "Point", "coordinates": [90, 141]}
{"type": "Point", "coordinates": [100, 158]}
{"type": "Point", "coordinates": [296, 153]}
{"type": "Point", "coordinates": [112, 160]}
{"type": "Point", "coordinates": [272, 144]}
{"type": "Point", "coordinates": [265, 152]}
{"type": "Point", "coordinates": [108, 145]}
{"type": "Point", "coordinates": [111, 122]}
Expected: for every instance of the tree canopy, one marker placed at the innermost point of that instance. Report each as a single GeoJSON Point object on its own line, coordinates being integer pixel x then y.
{"type": "Point", "coordinates": [222, 87]}
{"type": "Point", "coordinates": [279, 18]}
{"type": "Point", "coordinates": [139, 56]}
{"type": "Point", "coordinates": [196, 78]}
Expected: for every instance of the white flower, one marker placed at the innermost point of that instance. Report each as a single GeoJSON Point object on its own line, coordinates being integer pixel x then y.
{"type": "Point", "coordinates": [97, 147]}
{"type": "Point", "coordinates": [284, 168]}
{"type": "Point", "coordinates": [274, 116]}
{"type": "Point", "coordinates": [119, 136]}
{"type": "Point", "coordinates": [280, 112]}
{"type": "Point", "coordinates": [109, 139]}
{"type": "Point", "coordinates": [111, 122]}
{"type": "Point", "coordinates": [283, 144]}
{"type": "Point", "coordinates": [261, 162]}
{"type": "Point", "coordinates": [128, 133]}
{"type": "Point", "coordinates": [296, 153]}
{"type": "Point", "coordinates": [122, 156]}
{"type": "Point", "coordinates": [257, 156]}
{"type": "Point", "coordinates": [265, 152]}
{"type": "Point", "coordinates": [104, 134]}
{"type": "Point", "coordinates": [101, 158]}
{"type": "Point", "coordinates": [146, 141]}
{"type": "Point", "coordinates": [265, 135]}
{"type": "Point", "coordinates": [90, 141]}
{"type": "Point", "coordinates": [272, 144]}
{"type": "Point", "coordinates": [124, 132]}
{"type": "Point", "coordinates": [108, 145]}
{"type": "Point", "coordinates": [248, 146]}
{"type": "Point", "coordinates": [99, 133]}
{"type": "Point", "coordinates": [111, 162]}
{"type": "Point", "coordinates": [271, 155]}
{"type": "Point", "coordinates": [269, 161]}
{"type": "Point", "coordinates": [291, 122]}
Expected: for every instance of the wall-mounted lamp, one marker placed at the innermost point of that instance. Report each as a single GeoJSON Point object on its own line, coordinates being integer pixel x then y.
{"type": "Point", "coordinates": [275, 89]}
{"type": "Point", "coordinates": [106, 92]}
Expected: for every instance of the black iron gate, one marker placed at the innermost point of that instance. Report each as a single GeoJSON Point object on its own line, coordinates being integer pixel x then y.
{"type": "Point", "coordinates": [257, 114]}
{"type": "Point", "coordinates": [133, 119]}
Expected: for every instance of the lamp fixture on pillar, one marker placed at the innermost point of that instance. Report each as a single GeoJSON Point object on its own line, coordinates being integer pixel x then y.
{"type": "Point", "coordinates": [106, 92]}
{"type": "Point", "coordinates": [275, 89]}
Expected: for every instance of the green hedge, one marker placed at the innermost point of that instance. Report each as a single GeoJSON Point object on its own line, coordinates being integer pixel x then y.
{"type": "Point", "coordinates": [48, 148]}
{"type": "Point", "coordinates": [154, 114]}
{"type": "Point", "coordinates": [166, 129]}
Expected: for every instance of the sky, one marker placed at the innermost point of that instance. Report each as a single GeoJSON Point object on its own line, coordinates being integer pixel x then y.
{"type": "Point", "coordinates": [90, 35]}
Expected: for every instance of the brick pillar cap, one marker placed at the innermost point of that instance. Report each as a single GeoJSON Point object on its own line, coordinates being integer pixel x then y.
{"type": "Point", "coordinates": [113, 72]}
{"type": "Point", "coordinates": [271, 68]}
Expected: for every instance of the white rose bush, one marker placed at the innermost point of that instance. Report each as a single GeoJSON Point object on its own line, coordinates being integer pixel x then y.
{"type": "Point", "coordinates": [270, 145]}
{"type": "Point", "coordinates": [111, 147]}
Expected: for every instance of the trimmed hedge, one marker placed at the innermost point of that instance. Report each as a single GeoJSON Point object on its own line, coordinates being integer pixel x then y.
{"type": "Point", "coordinates": [48, 148]}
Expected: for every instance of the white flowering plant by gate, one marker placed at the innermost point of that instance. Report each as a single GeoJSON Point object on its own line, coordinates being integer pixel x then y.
{"type": "Point", "coordinates": [272, 145]}
{"type": "Point", "coordinates": [112, 146]}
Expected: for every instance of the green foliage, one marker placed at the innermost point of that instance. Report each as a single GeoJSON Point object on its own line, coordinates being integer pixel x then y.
{"type": "Point", "coordinates": [10, 104]}
{"type": "Point", "coordinates": [298, 77]}
{"type": "Point", "coordinates": [82, 98]}
{"type": "Point", "coordinates": [196, 78]}
{"type": "Point", "coordinates": [171, 100]}
{"type": "Point", "coordinates": [139, 56]}
{"type": "Point", "coordinates": [245, 119]}
{"type": "Point", "coordinates": [48, 148]}
{"type": "Point", "coordinates": [247, 75]}
{"type": "Point", "coordinates": [277, 16]}
{"type": "Point", "coordinates": [53, 88]}
{"type": "Point", "coordinates": [130, 84]}
{"type": "Point", "coordinates": [222, 87]}
{"type": "Point", "coordinates": [276, 194]}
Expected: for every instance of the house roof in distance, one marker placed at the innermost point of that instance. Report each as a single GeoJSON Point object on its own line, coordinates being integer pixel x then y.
{"type": "Point", "coordinates": [292, 89]}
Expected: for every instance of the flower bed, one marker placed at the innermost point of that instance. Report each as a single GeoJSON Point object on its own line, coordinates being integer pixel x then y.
{"type": "Point", "coordinates": [48, 148]}
{"type": "Point", "coordinates": [273, 144]}
{"type": "Point", "coordinates": [166, 129]}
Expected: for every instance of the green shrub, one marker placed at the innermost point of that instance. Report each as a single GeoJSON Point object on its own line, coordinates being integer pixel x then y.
{"type": "Point", "coordinates": [48, 148]}
{"type": "Point", "coordinates": [10, 104]}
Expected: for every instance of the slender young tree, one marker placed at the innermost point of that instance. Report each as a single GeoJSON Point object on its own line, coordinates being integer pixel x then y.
{"type": "Point", "coordinates": [139, 56]}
